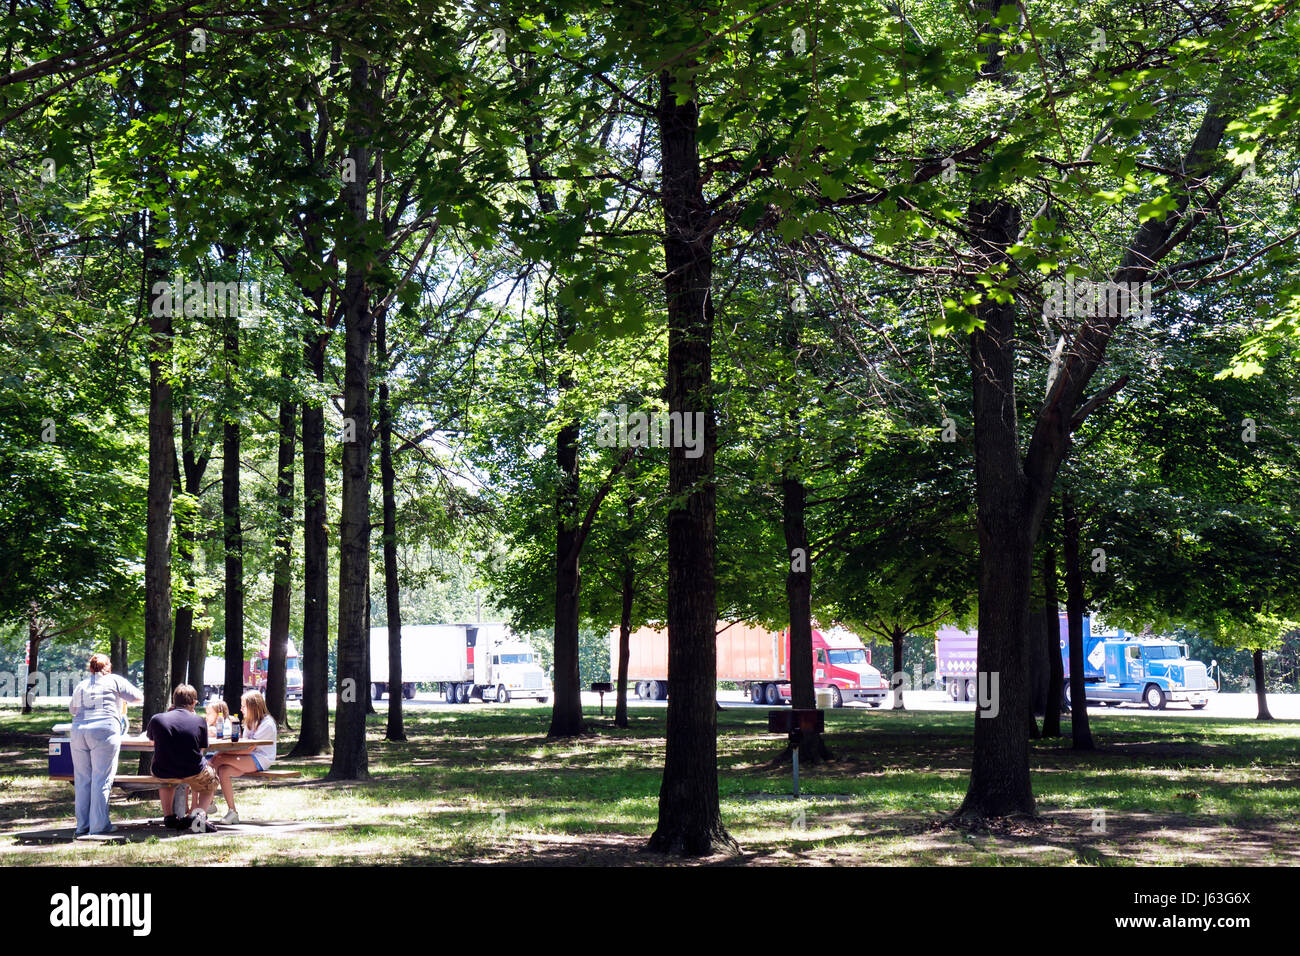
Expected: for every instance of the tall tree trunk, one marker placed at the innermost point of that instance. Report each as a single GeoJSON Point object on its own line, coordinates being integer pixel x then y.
{"type": "Point", "coordinates": [192, 466]}
{"type": "Point", "coordinates": [1052, 640]}
{"type": "Point", "coordinates": [282, 587]}
{"type": "Point", "coordinates": [162, 478]}
{"type": "Point", "coordinates": [624, 638]}
{"type": "Point", "coordinates": [183, 632]}
{"type": "Point", "coordinates": [314, 735]}
{"type": "Point", "coordinates": [350, 759]}
{"type": "Point", "coordinates": [566, 711]}
{"type": "Point", "coordinates": [798, 576]}
{"type": "Point", "coordinates": [117, 653]}
{"type": "Point", "coordinates": [1000, 784]}
{"type": "Point", "coordinates": [366, 681]}
{"type": "Point", "coordinates": [798, 597]}
{"type": "Point", "coordinates": [566, 708]}
{"type": "Point", "coordinates": [1080, 731]}
{"type": "Point", "coordinates": [1036, 670]}
{"type": "Point", "coordinates": [1039, 665]}
{"type": "Point", "coordinates": [690, 819]}
{"type": "Point", "coordinates": [1013, 496]}
{"type": "Point", "coordinates": [199, 656]}
{"type": "Point", "coordinates": [193, 463]}
{"type": "Point", "coordinates": [897, 679]}
{"type": "Point", "coordinates": [392, 590]}
{"type": "Point", "coordinates": [232, 528]}
{"type": "Point", "coordinates": [183, 637]}
{"type": "Point", "coordinates": [1261, 686]}
{"type": "Point", "coordinates": [34, 638]}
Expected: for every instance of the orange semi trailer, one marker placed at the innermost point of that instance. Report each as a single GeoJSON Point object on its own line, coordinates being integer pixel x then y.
{"type": "Point", "coordinates": [759, 660]}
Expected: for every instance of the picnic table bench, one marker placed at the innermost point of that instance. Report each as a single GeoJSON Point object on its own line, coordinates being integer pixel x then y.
{"type": "Point", "coordinates": [141, 781]}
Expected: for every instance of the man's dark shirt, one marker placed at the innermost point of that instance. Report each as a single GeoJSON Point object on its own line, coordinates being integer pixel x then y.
{"type": "Point", "coordinates": [179, 737]}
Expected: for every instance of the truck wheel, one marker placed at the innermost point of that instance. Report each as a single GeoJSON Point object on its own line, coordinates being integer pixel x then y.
{"type": "Point", "coordinates": [971, 692]}
{"type": "Point", "coordinates": [503, 695]}
{"type": "Point", "coordinates": [376, 691]}
{"type": "Point", "coordinates": [771, 695]}
{"type": "Point", "coordinates": [756, 693]}
{"type": "Point", "coordinates": [1155, 697]}
{"type": "Point", "coordinates": [955, 689]}
{"type": "Point", "coordinates": [543, 699]}
{"type": "Point", "coordinates": [408, 691]}
{"type": "Point", "coordinates": [837, 699]}
{"type": "Point", "coordinates": [661, 690]}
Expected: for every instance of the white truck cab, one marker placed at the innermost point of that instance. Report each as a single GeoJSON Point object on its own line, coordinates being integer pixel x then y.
{"type": "Point", "coordinates": [511, 667]}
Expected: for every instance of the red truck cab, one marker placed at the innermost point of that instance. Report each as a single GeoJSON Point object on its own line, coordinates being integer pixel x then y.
{"type": "Point", "coordinates": [842, 664]}
{"type": "Point", "coordinates": [759, 661]}
{"type": "Point", "coordinates": [255, 671]}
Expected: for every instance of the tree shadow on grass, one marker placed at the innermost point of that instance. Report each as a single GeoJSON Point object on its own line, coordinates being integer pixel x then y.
{"type": "Point", "coordinates": [139, 831]}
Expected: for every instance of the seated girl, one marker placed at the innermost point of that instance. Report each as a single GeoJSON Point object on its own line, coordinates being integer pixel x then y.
{"type": "Point", "coordinates": [258, 725]}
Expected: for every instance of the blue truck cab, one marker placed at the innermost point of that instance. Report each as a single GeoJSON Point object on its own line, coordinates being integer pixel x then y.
{"type": "Point", "coordinates": [1154, 670]}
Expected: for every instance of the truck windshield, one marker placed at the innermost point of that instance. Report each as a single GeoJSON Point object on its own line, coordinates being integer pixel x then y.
{"type": "Point", "coordinates": [516, 658]}
{"type": "Point", "coordinates": [855, 656]}
{"type": "Point", "coordinates": [1163, 653]}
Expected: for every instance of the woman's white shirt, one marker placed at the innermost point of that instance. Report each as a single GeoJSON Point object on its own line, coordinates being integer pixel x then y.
{"type": "Point", "coordinates": [99, 698]}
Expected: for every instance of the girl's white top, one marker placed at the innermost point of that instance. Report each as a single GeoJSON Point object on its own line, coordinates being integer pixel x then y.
{"type": "Point", "coordinates": [266, 730]}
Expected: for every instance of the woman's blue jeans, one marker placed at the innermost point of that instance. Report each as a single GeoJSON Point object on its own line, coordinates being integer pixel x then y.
{"type": "Point", "coordinates": [94, 763]}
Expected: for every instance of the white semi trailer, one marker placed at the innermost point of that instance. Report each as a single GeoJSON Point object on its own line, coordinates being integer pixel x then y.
{"type": "Point", "coordinates": [466, 661]}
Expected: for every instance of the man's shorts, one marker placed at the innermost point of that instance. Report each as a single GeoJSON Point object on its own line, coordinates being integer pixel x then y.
{"type": "Point", "coordinates": [205, 781]}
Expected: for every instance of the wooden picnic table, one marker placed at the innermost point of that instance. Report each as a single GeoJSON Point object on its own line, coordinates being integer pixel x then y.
{"type": "Point", "coordinates": [242, 745]}
{"type": "Point", "coordinates": [145, 781]}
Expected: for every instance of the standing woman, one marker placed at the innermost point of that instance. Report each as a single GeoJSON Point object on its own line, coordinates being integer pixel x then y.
{"type": "Point", "coordinates": [98, 708]}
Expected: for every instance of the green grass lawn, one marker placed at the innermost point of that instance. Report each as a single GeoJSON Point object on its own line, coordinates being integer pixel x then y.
{"type": "Point", "coordinates": [481, 784]}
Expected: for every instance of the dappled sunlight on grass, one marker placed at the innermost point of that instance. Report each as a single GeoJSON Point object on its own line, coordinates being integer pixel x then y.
{"type": "Point", "coordinates": [484, 785]}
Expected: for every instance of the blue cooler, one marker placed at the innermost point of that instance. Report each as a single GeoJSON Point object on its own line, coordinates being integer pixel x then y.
{"type": "Point", "coordinates": [60, 757]}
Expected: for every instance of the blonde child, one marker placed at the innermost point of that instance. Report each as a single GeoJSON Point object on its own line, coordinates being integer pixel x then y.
{"type": "Point", "coordinates": [216, 711]}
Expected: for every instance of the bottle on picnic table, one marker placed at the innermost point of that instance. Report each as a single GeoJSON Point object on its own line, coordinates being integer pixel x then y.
{"type": "Point", "coordinates": [235, 723]}
{"type": "Point", "coordinates": [221, 727]}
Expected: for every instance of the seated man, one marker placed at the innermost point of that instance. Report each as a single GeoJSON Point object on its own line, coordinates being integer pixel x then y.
{"type": "Point", "coordinates": [179, 737]}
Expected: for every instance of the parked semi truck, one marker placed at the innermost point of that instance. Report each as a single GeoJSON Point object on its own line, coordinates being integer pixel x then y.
{"type": "Point", "coordinates": [955, 649]}
{"type": "Point", "coordinates": [255, 672]}
{"type": "Point", "coordinates": [1117, 668]}
{"type": "Point", "coordinates": [467, 661]}
{"type": "Point", "coordinates": [1134, 670]}
{"type": "Point", "coordinates": [954, 661]}
{"type": "Point", "coordinates": [759, 660]}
